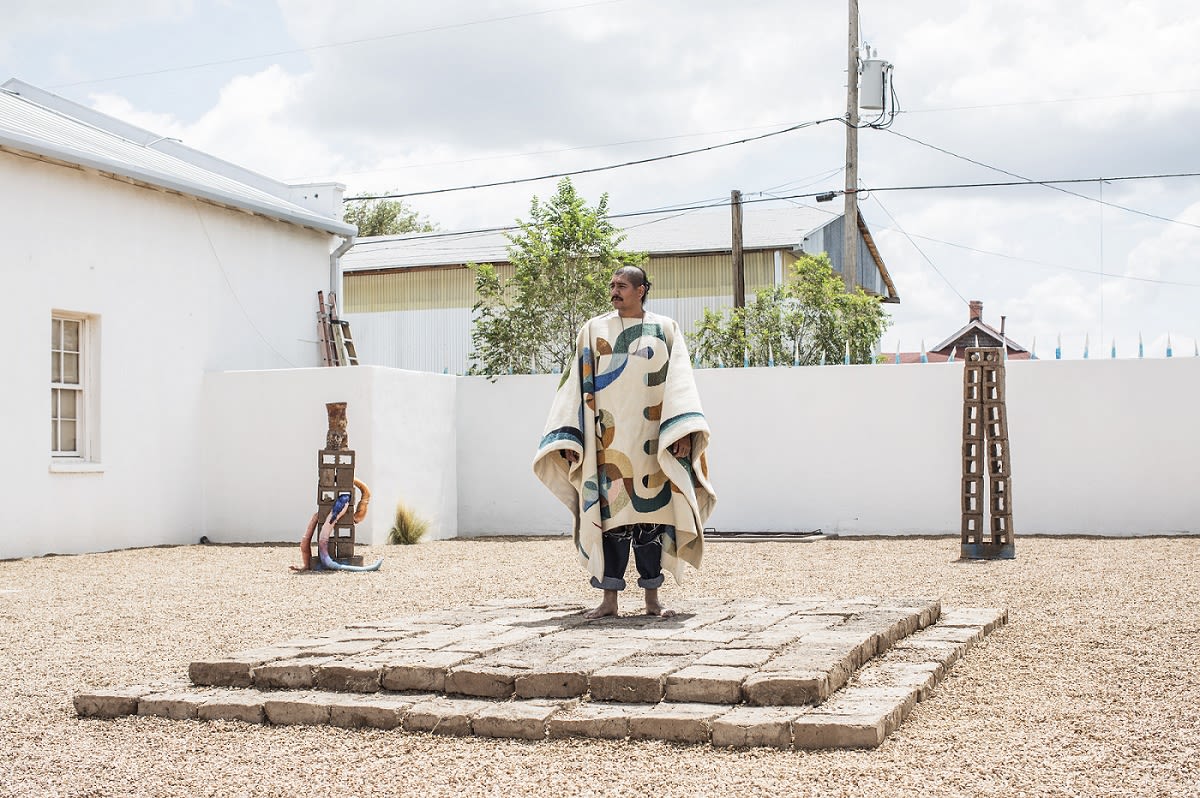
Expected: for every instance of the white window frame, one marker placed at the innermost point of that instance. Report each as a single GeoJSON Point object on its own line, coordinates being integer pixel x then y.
{"type": "Point", "coordinates": [86, 394]}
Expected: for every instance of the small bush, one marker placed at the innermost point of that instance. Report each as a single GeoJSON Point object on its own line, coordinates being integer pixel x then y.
{"type": "Point", "coordinates": [408, 528]}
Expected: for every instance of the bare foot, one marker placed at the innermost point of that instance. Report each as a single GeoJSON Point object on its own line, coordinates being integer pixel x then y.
{"type": "Point", "coordinates": [655, 607]}
{"type": "Point", "coordinates": [607, 607]}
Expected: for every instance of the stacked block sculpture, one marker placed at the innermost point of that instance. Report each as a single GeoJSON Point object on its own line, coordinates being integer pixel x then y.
{"type": "Point", "coordinates": [987, 531]}
{"type": "Point", "coordinates": [335, 467]}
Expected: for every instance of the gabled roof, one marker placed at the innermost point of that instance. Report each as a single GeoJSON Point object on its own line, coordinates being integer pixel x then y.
{"type": "Point", "coordinates": [665, 233]}
{"type": "Point", "coordinates": [979, 327]}
{"type": "Point", "coordinates": [35, 122]}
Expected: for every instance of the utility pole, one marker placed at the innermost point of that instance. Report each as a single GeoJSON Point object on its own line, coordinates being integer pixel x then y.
{"type": "Point", "coordinates": [850, 219]}
{"type": "Point", "coordinates": [739, 265]}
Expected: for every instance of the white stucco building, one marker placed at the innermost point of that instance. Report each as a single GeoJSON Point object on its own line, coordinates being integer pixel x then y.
{"type": "Point", "coordinates": [134, 265]}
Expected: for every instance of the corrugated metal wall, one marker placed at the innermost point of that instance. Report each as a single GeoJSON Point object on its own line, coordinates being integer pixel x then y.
{"type": "Point", "coordinates": [420, 319]}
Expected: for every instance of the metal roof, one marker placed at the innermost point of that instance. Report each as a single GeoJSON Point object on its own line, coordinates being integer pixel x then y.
{"type": "Point", "coordinates": [668, 232]}
{"type": "Point", "coordinates": [39, 123]}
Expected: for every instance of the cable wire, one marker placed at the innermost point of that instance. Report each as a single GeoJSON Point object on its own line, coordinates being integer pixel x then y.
{"type": "Point", "coordinates": [1101, 200]}
{"type": "Point", "coordinates": [594, 169]}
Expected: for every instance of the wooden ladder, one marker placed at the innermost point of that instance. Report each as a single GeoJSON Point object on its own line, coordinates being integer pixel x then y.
{"type": "Point", "coordinates": [337, 341]}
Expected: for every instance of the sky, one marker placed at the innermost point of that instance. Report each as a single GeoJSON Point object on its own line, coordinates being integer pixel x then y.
{"type": "Point", "coordinates": [399, 96]}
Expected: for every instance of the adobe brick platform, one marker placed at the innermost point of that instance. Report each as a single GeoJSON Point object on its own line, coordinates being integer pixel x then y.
{"type": "Point", "coordinates": [805, 673]}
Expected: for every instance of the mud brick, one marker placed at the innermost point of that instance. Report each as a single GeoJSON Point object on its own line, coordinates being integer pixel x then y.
{"type": "Point", "coordinates": [987, 618]}
{"type": "Point", "coordinates": [918, 677]}
{"type": "Point", "coordinates": [486, 681]}
{"type": "Point", "coordinates": [175, 705]}
{"type": "Point", "coordinates": [919, 648]}
{"type": "Point", "coordinates": [532, 654]}
{"type": "Point", "coordinates": [303, 708]}
{"type": "Point", "coordinates": [677, 723]}
{"type": "Point", "coordinates": [968, 635]}
{"type": "Point", "coordinates": [343, 648]}
{"type": "Point", "coordinates": [420, 670]}
{"type": "Point", "coordinates": [232, 672]}
{"type": "Point", "coordinates": [110, 703]}
{"type": "Point", "coordinates": [995, 421]}
{"type": "Point", "coordinates": [241, 705]}
{"type": "Point", "coordinates": [551, 682]}
{"type": "Point", "coordinates": [567, 676]}
{"type": "Point", "coordinates": [786, 688]}
{"type": "Point", "coordinates": [293, 674]}
{"type": "Point", "coordinates": [630, 683]}
{"type": "Point", "coordinates": [523, 720]}
{"type": "Point", "coordinates": [594, 719]}
{"type": "Point", "coordinates": [972, 467]}
{"type": "Point", "coordinates": [349, 676]}
{"type": "Point", "coordinates": [847, 646]}
{"type": "Point", "coordinates": [265, 653]}
{"type": "Point", "coordinates": [709, 635]}
{"type": "Point", "coordinates": [865, 730]}
{"type": "Point", "coordinates": [444, 716]}
{"type": "Point", "coordinates": [737, 657]}
{"type": "Point", "coordinates": [707, 684]}
{"type": "Point", "coordinates": [484, 644]}
{"type": "Point", "coordinates": [369, 711]}
{"type": "Point", "coordinates": [747, 727]}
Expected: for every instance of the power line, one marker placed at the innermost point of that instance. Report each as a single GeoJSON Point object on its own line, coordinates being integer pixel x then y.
{"type": "Point", "coordinates": [1002, 184]}
{"type": "Point", "coordinates": [534, 153]}
{"type": "Point", "coordinates": [594, 169]}
{"type": "Point", "coordinates": [1047, 102]}
{"type": "Point", "coordinates": [928, 260]}
{"type": "Point", "coordinates": [1101, 201]}
{"type": "Point", "coordinates": [1042, 262]}
{"type": "Point", "coordinates": [330, 45]}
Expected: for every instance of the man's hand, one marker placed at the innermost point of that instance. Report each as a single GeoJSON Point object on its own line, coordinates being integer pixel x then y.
{"type": "Point", "coordinates": [682, 448]}
{"type": "Point", "coordinates": [570, 455]}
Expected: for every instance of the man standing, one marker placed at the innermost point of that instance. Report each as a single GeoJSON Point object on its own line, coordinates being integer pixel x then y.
{"type": "Point", "coordinates": [624, 448]}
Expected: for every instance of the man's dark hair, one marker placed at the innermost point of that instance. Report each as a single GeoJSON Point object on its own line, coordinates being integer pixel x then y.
{"type": "Point", "coordinates": [637, 276]}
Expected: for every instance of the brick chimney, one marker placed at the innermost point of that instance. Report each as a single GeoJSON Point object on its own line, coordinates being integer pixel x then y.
{"type": "Point", "coordinates": [976, 312]}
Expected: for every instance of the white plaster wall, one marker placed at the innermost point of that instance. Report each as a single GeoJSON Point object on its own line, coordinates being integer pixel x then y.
{"type": "Point", "coordinates": [174, 297]}
{"type": "Point", "coordinates": [1098, 447]}
{"type": "Point", "coordinates": [499, 426]}
{"type": "Point", "coordinates": [263, 429]}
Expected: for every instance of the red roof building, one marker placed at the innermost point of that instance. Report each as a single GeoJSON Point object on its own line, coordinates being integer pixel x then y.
{"type": "Point", "coordinates": [975, 333]}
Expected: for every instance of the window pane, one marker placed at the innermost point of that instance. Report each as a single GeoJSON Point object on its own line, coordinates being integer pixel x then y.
{"type": "Point", "coordinates": [53, 436]}
{"type": "Point", "coordinates": [70, 369]}
{"type": "Point", "coordinates": [66, 404]}
{"type": "Point", "coordinates": [71, 336]}
{"type": "Point", "coordinates": [66, 436]}
{"type": "Point", "coordinates": [55, 333]}
{"type": "Point", "coordinates": [55, 367]}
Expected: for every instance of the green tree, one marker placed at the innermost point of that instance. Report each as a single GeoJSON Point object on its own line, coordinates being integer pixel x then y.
{"type": "Point", "coordinates": [808, 319]}
{"type": "Point", "coordinates": [562, 258]}
{"type": "Point", "coordinates": [385, 217]}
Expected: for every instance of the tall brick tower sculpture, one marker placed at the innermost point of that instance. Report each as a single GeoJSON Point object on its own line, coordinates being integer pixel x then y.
{"type": "Point", "coordinates": [987, 531]}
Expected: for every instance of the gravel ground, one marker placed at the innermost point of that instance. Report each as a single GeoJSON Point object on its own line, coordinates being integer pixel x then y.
{"type": "Point", "coordinates": [1091, 690]}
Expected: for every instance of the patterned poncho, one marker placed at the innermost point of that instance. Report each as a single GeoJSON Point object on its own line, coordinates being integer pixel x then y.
{"type": "Point", "coordinates": [627, 397]}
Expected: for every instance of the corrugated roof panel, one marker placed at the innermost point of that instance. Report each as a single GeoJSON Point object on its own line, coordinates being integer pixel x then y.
{"type": "Point", "coordinates": [708, 230]}
{"type": "Point", "coordinates": [29, 127]}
